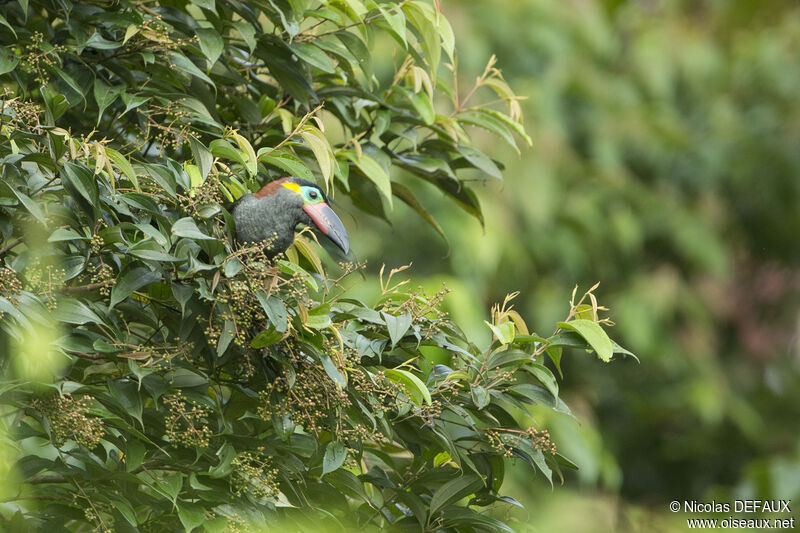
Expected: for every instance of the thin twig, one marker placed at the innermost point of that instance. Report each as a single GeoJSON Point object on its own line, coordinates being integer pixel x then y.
{"type": "Point", "coordinates": [8, 247]}
{"type": "Point", "coordinates": [89, 287]}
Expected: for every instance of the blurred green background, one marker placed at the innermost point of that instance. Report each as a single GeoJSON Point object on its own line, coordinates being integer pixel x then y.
{"type": "Point", "coordinates": [666, 165]}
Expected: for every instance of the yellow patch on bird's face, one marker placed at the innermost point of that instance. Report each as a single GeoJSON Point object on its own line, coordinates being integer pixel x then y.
{"type": "Point", "coordinates": [292, 186]}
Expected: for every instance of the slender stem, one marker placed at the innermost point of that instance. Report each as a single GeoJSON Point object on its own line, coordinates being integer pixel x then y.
{"type": "Point", "coordinates": [8, 247]}
{"type": "Point", "coordinates": [89, 287]}
{"type": "Point", "coordinates": [45, 478]}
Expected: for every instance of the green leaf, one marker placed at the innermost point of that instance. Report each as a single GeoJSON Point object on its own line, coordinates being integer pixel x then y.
{"type": "Point", "coordinates": [330, 369]}
{"type": "Point", "coordinates": [335, 454]}
{"type": "Point", "coordinates": [206, 4]}
{"type": "Point", "coordinates": [31, 205]}
{"type": "Point", "coordinates": [488, 123]}
{"type": "Point", "coordinates": [56, 104]}
{"type": "Point", "coordinates": [266, 338]}
{"type": "Point", "coordinates": [593, 334]}
{"type": "Point", "coordinates": [72, 311]}
{"type": "Point", "coordinates": [321, 149]}
{"type": "Point", "coordinates": [65, 234]}
{"type": "Point", "coordinates": [164, 177]}
{"type": "Point", "coordinates": [70, 81]}
{"type": "Point", "coordinates": [359, 50]}
{"type": "Point", "coordinates": [284, 425]}
{"type": "Point", "coordinates": [397, 326]}
{"type": "Point", "coordinates": [347, 483]}
{"type": "Point", "coordinates": [134, 454]}
{"type": "Point", "coordinates": [211, 44]}
{"type": "Point", "coordinates": [480, 396]}
{"type": "Point", "coordinates": [293, 268]}
{"type": "Point", "coordinates": [8, 61]}
{"type": "Point", "coordinates": [305, 249]}
{"type": "Point", "coordinates": [518, 128]}
{"type": "Point", "coordinates": [126, 393]}
{"type": "Point", "coordinates": [186, 227]}
{"type": "Point", "coordinates": [424, 106]}
{"type": "Point", "coordinates": [373, 172]}
{"type": "Point", "coordinates": [250, 161]}
{"type": "Point", "coordinates": [275, 310]}
{"type": "Point", "coordinates": [149, 250]}
{"type": "Point", "coordinates": [226, 337]}
{"type": "Point", "coordinates": [480, 161]}
{"type": "Point", "coordinates": [314, 56]}
{"type": "Point", "coordinates": [423, 18]}
{"type": "Point", "coordinates": [124, 166]}
{"type": "Point", "coordinates": [124, 509]}
{"type": "Point", "coordinates": [201, 155]}
{"type": "Point", "coordinates": [184, 64]}
{"type": "Point", "coordinates": [130, 282]}
{"type": "Point", "coordinates": [543, 374]}
{"type": "Point", "coordinates": [226, 455]}
{"type": "Point", "coordinates": [247, 31]}
{"type": "Point", "coordinates": [286, 161]}
{"type": "Point", "coordinates": [199, 111]}
{"type": "Point", "coordinates": [170, 486]}
{"type": "Point", "coordinates": [415, 387]}
{"type": "Point", "coordinates": [132, 101]}
{"type": "Point", "coordinates": [195, 178]}
{"type": "Point", "coordinates": [396, 20]}
{"type": "Point", "coordinates": [80, 179]}
{"type": "Point", "coordinates": [104, 95]}
{"type": "Point", "coordinates": [191, 515]}
{"type": "Point", "coordinates": [319, 317]}
{"type": "Point", "coordinates": [454, 490]}
{"type": "Point", "coordinates": [222, 148]}
{"type": "Point", "coordinates": [507, 358]}
{"type": "Point", "coordinates": [554, 352]}
{"type": "Point", "coordinates": [446, 34]}
{"type": "Point", "coordinates": [5, 23]}
{"type": "Point", "coordinates": [503, 332]}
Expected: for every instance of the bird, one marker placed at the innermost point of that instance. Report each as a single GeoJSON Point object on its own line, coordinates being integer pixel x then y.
{"type": "Point", "coordinates": [273, 213]}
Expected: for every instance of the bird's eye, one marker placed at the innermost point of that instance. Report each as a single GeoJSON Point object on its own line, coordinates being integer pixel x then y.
{"type": "Point", "coordinates": [313, 195]}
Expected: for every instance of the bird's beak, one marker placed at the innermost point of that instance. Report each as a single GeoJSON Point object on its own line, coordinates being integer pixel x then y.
{"type": "Point", "coordinates": [328, 223]}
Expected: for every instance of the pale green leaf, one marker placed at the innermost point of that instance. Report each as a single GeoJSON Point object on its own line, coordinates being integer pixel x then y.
{"type": "Point", "coordinates": [594, 335]}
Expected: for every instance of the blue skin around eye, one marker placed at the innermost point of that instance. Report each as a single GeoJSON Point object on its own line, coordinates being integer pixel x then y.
{"type": "Point", "coordinates": [307, 195]}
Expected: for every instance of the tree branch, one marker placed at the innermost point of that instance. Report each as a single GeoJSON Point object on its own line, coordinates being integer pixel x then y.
{"type": "Point", "coordinates": [89, 287]}
{"type": "Point", "coordinates": [8, 247]}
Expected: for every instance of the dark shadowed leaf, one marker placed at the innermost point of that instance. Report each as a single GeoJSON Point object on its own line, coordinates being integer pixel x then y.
{"type": "Point", "coordinates": [132, 281]}
{"type": "Point", "coordinates": [453, 491]}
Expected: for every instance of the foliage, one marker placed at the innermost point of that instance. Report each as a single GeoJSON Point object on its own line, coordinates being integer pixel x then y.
{"type": "Point", "coordinates": [664, 163]}
{"type": "Point", "coordinates": [155, 374]}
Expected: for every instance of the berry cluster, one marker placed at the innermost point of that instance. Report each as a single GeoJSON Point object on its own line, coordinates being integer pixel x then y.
{"type": "Point", "coordinates": [44, 281]}
{"type": "Point", "coordinates": [253, 473]}
{"type": "Point", "coordinates": [505, 440]}
{"type": "Point", "coordinates": [187, 421]}
{"type": "Point", "coordinates": [18, 114]}
{"type": "Point", "coordinates": [208, 193]}
{"type": "Point", "coordinates": [39, 55]}
{"type": "Point", "coordinates": [10, 285]}
{"type": "Point", "coordinates": [68, 420]}
{"type": "Point", "coordinates": [541, 440]}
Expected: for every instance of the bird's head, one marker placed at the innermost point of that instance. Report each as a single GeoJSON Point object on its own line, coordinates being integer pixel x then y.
{"type": "Point", "coordinates": [307, 203]}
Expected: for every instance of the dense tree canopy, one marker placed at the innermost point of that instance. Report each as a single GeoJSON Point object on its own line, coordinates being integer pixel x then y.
{"type": "Point", "coordinates": [157, 375]}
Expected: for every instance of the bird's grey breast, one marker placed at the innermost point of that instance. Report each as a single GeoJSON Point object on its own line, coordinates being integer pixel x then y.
{"type": "Point", "coordinates": [249, 223]}
{"type": "Point", "coordinates": [270, 218]}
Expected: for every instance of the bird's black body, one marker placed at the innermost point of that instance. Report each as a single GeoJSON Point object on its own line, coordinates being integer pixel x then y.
{"type": "Point", "coordinates": [273, 213]}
